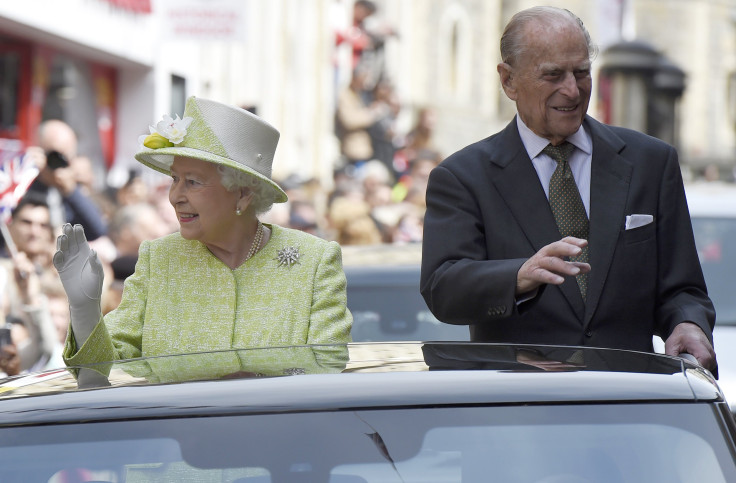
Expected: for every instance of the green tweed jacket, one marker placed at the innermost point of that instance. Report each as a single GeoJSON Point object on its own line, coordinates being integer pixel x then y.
{"type": "Point", "coordinates": [182, 299]}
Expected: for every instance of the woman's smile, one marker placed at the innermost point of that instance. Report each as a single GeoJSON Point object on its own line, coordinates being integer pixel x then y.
{"type": "Point", "coordinates": [187, 217]}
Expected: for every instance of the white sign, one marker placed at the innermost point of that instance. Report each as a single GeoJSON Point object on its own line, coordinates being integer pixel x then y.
{"type": "Point", "coordinates": [203, 20]}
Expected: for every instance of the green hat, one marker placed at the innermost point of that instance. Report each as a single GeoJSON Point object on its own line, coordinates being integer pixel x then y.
{"type": "Point", "coordinates": [217, 133]}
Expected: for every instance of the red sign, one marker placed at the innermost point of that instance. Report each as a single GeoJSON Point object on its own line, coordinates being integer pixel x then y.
{"type": "Point", "coordinates": [138, 6]}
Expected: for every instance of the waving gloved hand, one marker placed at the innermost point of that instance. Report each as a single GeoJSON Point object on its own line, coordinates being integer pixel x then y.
{"type": "Point", "coordinates": [81, 274]}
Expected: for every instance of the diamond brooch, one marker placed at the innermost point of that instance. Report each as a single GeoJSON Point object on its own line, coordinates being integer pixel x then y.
{"type": "Point", "coordinates": [288, 256]}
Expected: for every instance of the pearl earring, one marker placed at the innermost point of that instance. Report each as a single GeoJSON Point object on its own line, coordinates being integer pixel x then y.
{"type": "Point", "coordinates": [238, 212]}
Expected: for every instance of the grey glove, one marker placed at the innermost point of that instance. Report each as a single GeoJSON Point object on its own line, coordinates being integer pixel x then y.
{"type": "Point", "coordinates": [81, 274]}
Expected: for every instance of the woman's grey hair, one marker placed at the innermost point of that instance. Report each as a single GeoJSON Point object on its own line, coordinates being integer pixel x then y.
{"type": "Point", "coordinates": [514, 42]}
{"type": "Point", "coordinates": [233, 179]}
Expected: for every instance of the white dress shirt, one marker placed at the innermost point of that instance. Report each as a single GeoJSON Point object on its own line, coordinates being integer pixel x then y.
{"type": "Point", "coordinates": [579, 161]}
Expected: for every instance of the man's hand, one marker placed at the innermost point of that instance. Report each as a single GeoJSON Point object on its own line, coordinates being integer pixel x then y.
{"type": "Point", "coordinates": [690, 338]}
{"type": "Point", "coordinates": [63, 179]}
{"type": "Point", "coordinates": [36, 155]}
{"type": "Point", "coordinates": [550, 265]}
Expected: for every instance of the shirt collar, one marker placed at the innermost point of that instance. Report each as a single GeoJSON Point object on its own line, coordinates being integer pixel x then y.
{"type": "Point", "coordinates": [535, 144]}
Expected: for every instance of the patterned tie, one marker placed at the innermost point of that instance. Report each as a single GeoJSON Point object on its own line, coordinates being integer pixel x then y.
{"type": "Point", "coordinates": [567, 206]}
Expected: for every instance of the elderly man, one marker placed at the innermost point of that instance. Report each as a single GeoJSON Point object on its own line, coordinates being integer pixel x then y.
{"type": "Point", "coordinates": [559, 229]}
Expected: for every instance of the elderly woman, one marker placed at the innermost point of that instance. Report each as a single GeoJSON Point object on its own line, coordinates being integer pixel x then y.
{"type": "Point", "coordinates": [225, 280]}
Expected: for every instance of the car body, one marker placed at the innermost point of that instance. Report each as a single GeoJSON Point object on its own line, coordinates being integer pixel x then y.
{"type": "Point", "coordinates": [390, 412]}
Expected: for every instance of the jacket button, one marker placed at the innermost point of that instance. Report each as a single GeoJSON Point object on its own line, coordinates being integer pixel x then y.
{"type": "Point", "coordinates": [589, 333]}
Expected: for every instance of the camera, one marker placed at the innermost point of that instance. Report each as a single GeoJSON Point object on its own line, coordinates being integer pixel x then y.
{"type": "Point", "coordinates": [5, 335]}
{"type": "Point", "coordinates": [56, 160]}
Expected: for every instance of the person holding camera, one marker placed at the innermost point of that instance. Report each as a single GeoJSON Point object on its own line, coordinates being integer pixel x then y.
{"type": "Point", "coordinates": [58, 181]}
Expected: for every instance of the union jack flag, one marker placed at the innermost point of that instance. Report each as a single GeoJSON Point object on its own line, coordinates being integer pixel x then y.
{"type": "Point", "coordinates": [17, 172]}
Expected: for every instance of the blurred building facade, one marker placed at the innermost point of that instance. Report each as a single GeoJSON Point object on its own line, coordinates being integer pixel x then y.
{"type": "Point", "coordinates": [112, 67]}
{"type": "Point", "coordinates": [454, 52]}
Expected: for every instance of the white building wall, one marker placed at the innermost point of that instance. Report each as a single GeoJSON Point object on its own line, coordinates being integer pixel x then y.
{"type": "Point", "coordinates": [91, 28]}
{"type": "Point", "coordinates": [286, 64]}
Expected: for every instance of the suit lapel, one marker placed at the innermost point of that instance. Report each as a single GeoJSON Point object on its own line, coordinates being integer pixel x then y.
{"type": "Point", "coordinates": [610, 178]}
{"type": "Point", "coordinates": [519, 186]}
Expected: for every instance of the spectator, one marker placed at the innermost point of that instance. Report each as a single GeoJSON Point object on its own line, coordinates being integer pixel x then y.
{"type": "Point", "coordinates": [357, 36]}
{"type": "Point", "coordinates": [58, 181]}
{"type": "Point", "coordinates": [133, 224]}
{"type": "Point", "coordinates": [58, 306]}
{"type": "Point", "coordinates": [352, 222]}
{"type": "Point", "coordinates": [420, 141]}
{"type": "Point", "coordinates": [409, 228]}
{"type": "Point", "coordinates": [384, 131]}
{"type": "Point", "coordinates": [413, 184]}
{"type": "Point", "coordinates": [25, 308]}
{"type": "Point", "coordinates": [122, 268]}
{"type": "Point", "coordinates": [134, 190]}
{"type": "Point", "coordinates": [32, 233]}
{"type": "Point", "coordinates": [303, 216]}
{"type": "Point", "coordinates": [353, 117]}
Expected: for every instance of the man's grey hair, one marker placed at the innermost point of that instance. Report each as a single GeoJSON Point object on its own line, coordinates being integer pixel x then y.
{"type": "Point", "coordinates": [514, 43]}
{"type": "Point", "coordinates": [233, 179]}
{"type": "Point", "coordinates": [126, 217]}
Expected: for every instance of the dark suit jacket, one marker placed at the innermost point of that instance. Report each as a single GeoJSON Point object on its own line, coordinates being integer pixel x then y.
{"type": "Point", "coordinates": [487, 213]}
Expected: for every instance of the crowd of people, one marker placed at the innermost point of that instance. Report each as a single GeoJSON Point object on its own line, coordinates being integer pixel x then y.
{"type": "Point", "coordinates": [382, 173]}
{"type": "Point", "coordinates": [376, 196]}
{"type": "Point", "coordinates": [506, 251]}
{"type": "Point", "coordinates": [369, 202]}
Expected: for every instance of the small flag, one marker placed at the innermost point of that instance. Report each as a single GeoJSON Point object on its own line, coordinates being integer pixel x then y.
{"type": "Point", "coordinates": [17, 172]}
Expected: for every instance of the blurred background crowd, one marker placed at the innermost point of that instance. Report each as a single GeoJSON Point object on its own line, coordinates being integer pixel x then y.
{"type": "Point", "coordinates": [376, 196]}
{"type": "Point", "coordinates": [369, 96]}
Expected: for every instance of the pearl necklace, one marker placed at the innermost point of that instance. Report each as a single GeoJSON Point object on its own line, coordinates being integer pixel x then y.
{"type": "Point", "coordinates": [257, 239]}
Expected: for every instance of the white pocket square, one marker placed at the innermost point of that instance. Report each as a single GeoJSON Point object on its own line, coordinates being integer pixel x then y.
{"type": "Point", "coordinates": [635, 221]}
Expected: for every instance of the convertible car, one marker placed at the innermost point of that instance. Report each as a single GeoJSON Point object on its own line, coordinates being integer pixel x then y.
{"type": "Point", "coordinates": [371, 412]}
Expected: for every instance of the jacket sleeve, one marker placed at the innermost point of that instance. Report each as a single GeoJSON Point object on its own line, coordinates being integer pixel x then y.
{"type": "Point", "coordinates": [118, 335]}
{"type": "Point", "coordinates": [459, 281]}
{"type": "Point", "coordinates": [682, 293]}
{"type": "Point", "coordinates": [330, 320]}
{"type": "Point", "coordinates": [125, 323]}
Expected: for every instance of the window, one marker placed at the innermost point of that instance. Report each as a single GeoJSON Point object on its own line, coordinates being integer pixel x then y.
{"type": "Point", "coordinates": [455, 66]}
{"type": "Point", "coordinates": [178, 95]}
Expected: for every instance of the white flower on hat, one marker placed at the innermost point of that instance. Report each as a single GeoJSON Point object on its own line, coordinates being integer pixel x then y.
{"type": "Point", "coordinates": [167, 132]}
{"type": "Point", "coordinates": [173, 129]}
